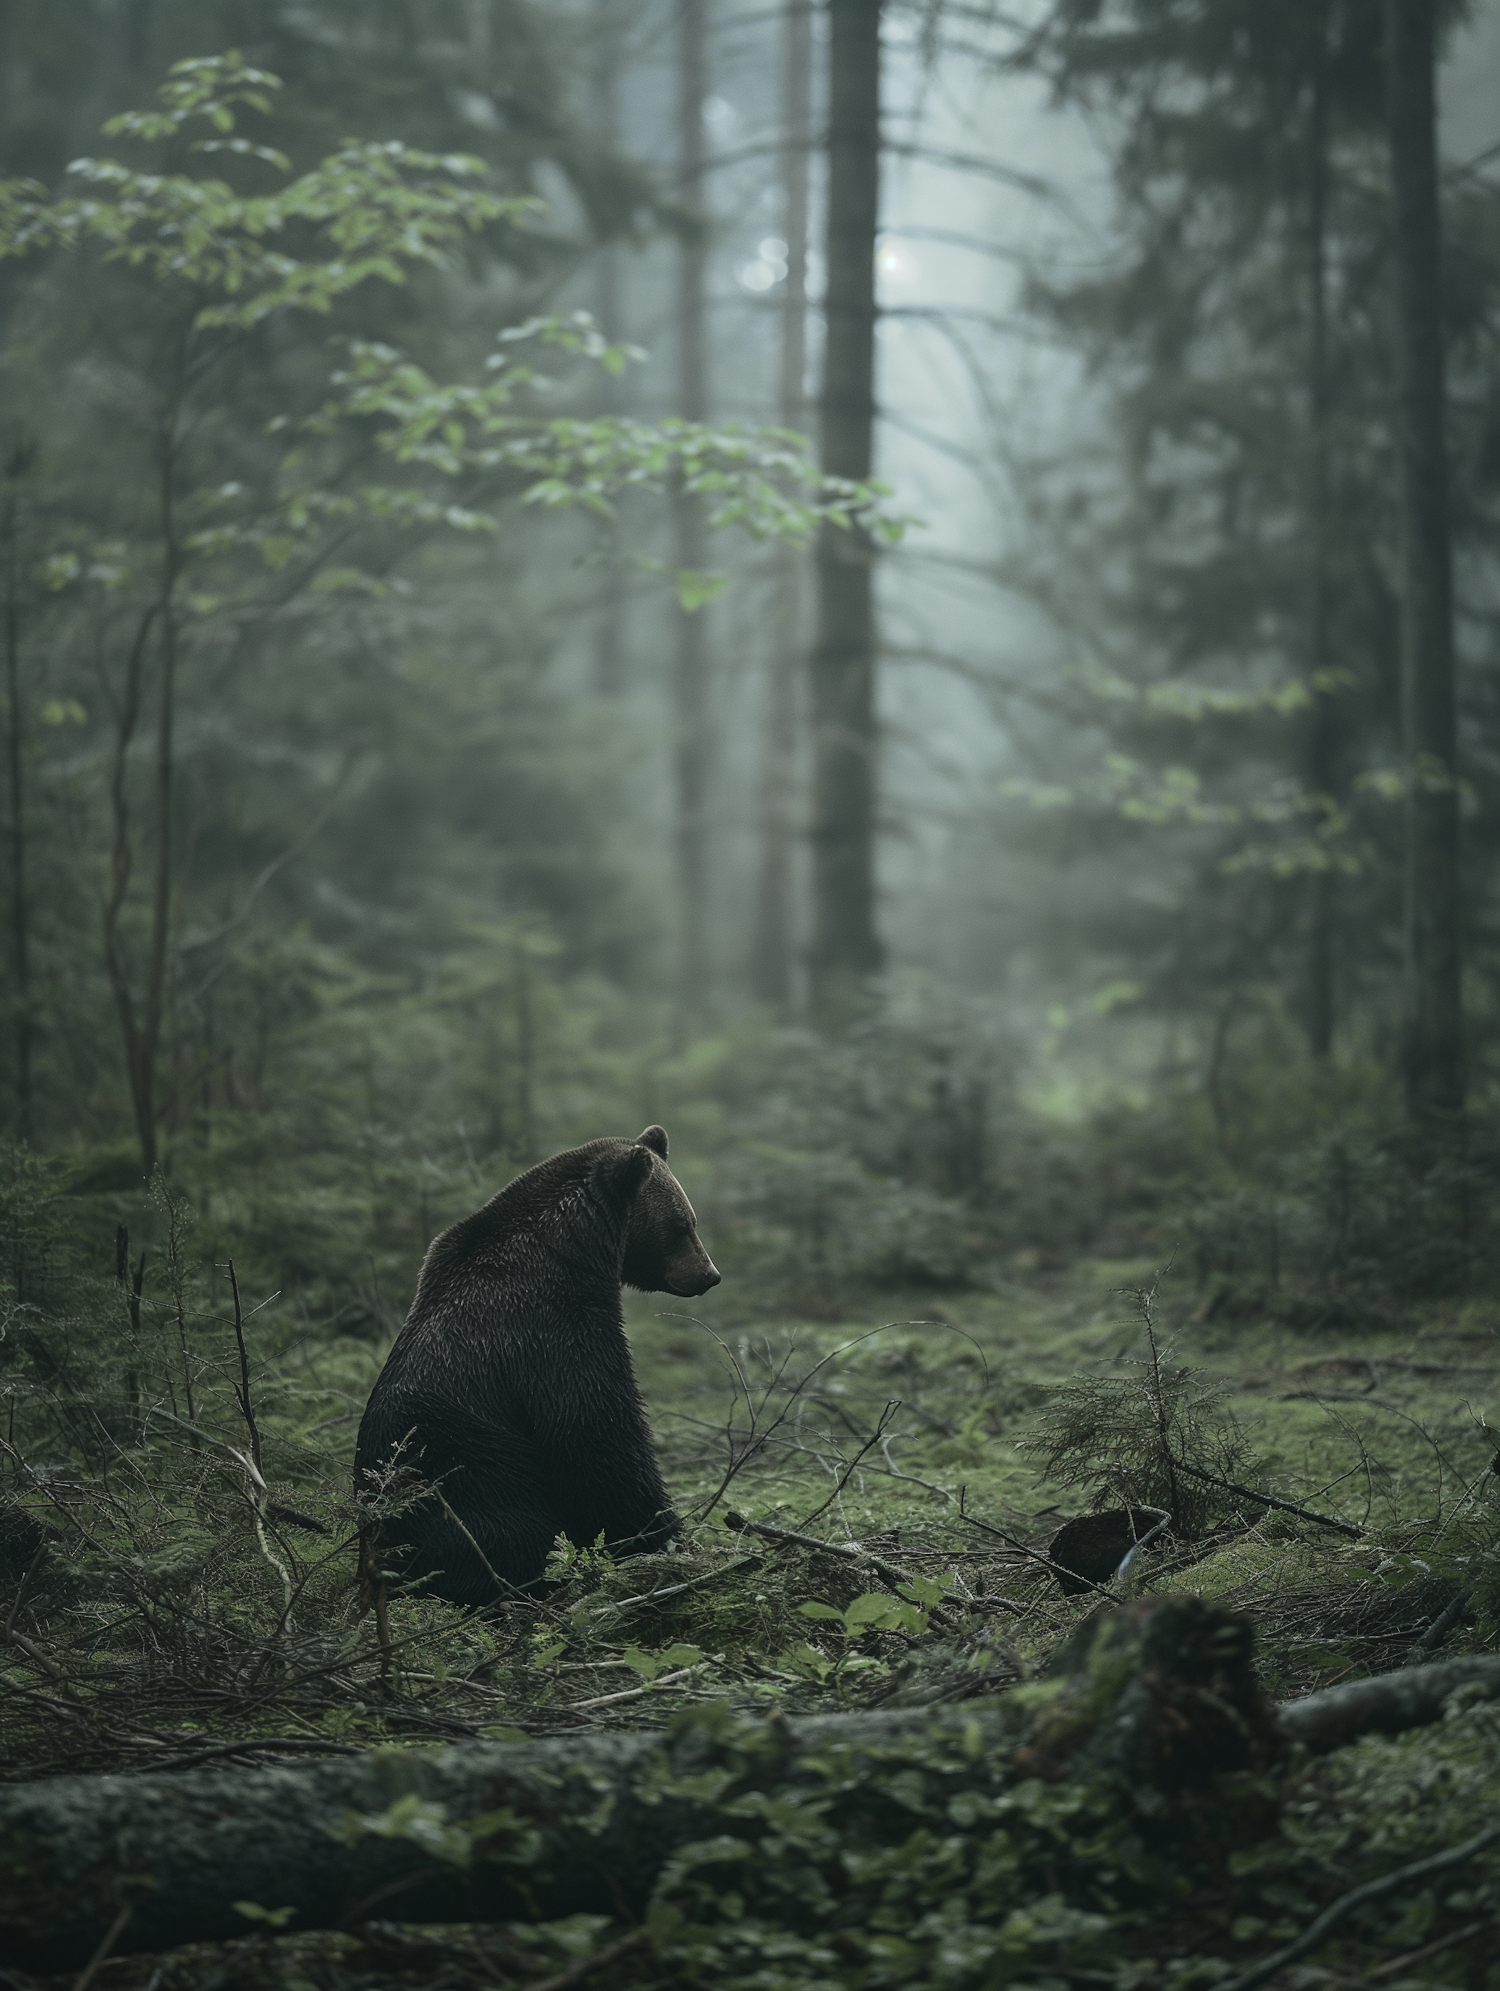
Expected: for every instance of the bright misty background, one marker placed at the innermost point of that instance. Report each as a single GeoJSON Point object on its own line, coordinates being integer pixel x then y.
{"type": "Point", "coordinates": [423, 918]}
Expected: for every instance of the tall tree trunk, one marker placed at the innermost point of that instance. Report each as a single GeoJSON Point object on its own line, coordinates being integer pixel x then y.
{"type": "Point", "coordinates": [846, 948]}
{"type": "Point", "coordinates": [20, 915]}
{"type": "Point", "coordinates": [609, 635]}
{"type": "Point", "coordinates": [1321, 726]}
{"type": "Point", "coordinates": [153, 1005]}
{"type": "Point", "coordinates": [122, 864]}
{"type": "Point", "coordinates": [771, 967]}
{"type": "Point", "coordinates": [1434, 1056]}
{"type": "Point", "coordinates": [141, 1021]}
{"type": "Point", "coordinates": [690, 685]}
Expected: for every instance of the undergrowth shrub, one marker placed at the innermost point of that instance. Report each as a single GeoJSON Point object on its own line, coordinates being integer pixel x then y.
{"type": "Point", "coordinates": [1358, 1218]}
{"type": "Point", "coordinates": [1158, 1436]}
{"type": "Point", "coordinates": [172, 1541]}
{"type": "Point", "coordinates": [863, 1161]}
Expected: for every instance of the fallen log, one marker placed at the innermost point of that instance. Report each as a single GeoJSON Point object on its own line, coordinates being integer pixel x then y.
{"type": "Point", "coordinates": [184, 1849]}
{"type": "Point", "coordinates": [564, 1826]}
{"type": "Point", "coordinates": [1387, 1705]}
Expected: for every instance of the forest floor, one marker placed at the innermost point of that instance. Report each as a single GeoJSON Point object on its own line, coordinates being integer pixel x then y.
{"type": "Point", "coordinates": [221, 1628]}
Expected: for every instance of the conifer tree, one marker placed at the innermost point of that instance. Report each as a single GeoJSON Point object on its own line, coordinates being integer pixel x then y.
{"type": "Point", "coordinates": [846, 948]}
{"type": "Point", "coordinates": [1434, 1053]}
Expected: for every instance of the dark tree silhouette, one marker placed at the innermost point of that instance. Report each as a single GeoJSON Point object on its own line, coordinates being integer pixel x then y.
{"type": "Point", "coordinates": [1322, 729]}
{"type": "Point", "coordinates": [690, 677]}
{"type": "Point", "coordinates": [20, 922]}
{"type": "Point", "coordinates": [771, 966]}
{"type": "Point", "coordinates": [608, 53]}
{"type": "Point", "coordinates": [846, 948]}
{"type": "Point", "coordinates": [1434, 1057]}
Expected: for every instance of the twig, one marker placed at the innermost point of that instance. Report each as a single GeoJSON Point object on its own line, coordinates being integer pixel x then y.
{"type": "Point", "coordinates": [25, 1590]}
{"type": "Point", "coordinates": [46, 1700]}
{"type": "Point", "coordinates": [889, 1572]}
{"type": "Point", "coordinates": [869, 1445]}
{"type": "Point", "coordinates": [1404, 1963]}
{"type": "Point", "coordinates": [1346, 1905]}
{"type": "Point", "coordinates": [647, 1687]}
{"type": "Point", "coordinates": [587, 1965]}
{"type": "Point", "coordinates": [756, 1442]}
{"type": "Point", "coordinates": [1128, 1561]}
{"type": "Point", "coordinates": [274, 1745]}
{"type": "Point", "coordinates": [676, 1589]}
{"type": "Point", "coordinates": [1031, 1555]}
{"type": "Point", "coordinates": [1439, 1629]}
{"type": "Point", "coordinates": [90, 1970]}
{"type": "Point", "coordinates": [1145, 1302]}
{"type": "Point", "coordinates": [1349, 1528]}
{"type": "Point", "coordinates": [911, 1479]}
{"type": "Point", "coordinates": [159, 1410]}
{"type": "Point", "coordinates": [242, 1388]}
{"type": "Point", "coordinates": [506, 1589]}
{"type": "Point", "coordinates": [10, 1636]}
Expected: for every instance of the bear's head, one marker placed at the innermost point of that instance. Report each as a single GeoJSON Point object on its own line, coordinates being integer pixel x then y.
{"type": "Point", "coordinates": [662, 1251]}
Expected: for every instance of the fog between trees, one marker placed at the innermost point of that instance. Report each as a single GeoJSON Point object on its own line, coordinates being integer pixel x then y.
{"type": "Point", "coordinates": [401, 770]}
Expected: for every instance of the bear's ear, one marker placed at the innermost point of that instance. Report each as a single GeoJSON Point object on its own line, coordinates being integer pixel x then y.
{"type": "Point", "coordinates": [628, 1175]}
{"type": "Point", "coordinates": [654, 1138]}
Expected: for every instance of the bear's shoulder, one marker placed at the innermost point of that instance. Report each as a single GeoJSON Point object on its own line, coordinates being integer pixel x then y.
{"type": "Point", "coordinates": [528, 1205]}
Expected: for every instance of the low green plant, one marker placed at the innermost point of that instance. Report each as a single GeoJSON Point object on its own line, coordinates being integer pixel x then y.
{"type": "Point", "coordinates": [1126, 1439]}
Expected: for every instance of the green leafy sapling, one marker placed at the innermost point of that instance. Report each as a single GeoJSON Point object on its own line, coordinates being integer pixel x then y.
{"type": "Point", "coordinates": [874, 1611]}
{"type": "Point", "coordinates": [245, 553]}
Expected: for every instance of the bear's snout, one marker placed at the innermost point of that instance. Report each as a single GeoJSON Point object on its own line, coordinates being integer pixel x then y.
{"type": "Point", "coordinates": [701, 1277]}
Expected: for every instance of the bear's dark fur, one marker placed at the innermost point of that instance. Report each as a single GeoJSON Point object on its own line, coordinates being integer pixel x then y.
{"type": "Point", "coordinates": [510, 1390]}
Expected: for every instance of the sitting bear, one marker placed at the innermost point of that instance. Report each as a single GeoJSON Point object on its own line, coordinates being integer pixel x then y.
{"type": "Point", "coordinates": [509, 1393]}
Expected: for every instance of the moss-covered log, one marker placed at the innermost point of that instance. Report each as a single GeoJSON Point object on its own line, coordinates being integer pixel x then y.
{"type": "Point", "coordinates": [590, 1834]}
{"type": "Point", "coordinates": [1387, 1705]}
{"type": "Point", "coordinates": [536, 1830]}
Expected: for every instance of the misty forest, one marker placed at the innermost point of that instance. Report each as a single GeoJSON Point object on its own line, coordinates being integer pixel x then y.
{"type": "Point", "coordinates": [905, 595]}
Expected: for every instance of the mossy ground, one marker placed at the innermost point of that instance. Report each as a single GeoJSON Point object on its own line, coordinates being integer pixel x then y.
{"type": "Point", "coordinates": [1382, 1424]}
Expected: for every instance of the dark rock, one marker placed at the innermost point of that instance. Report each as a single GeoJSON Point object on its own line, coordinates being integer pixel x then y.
{"type": "Point", "coordinates": [1091, 1547]}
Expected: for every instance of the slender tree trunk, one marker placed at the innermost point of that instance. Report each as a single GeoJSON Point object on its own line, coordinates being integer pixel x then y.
{"type": "Point", "coordinates": [609, 636]}
{"type": "Point", "coordinates": [122, 863]}
{"type": "Point", "coordinates": [846, 948]}
{"type": "Point", "coordinates": [1321, 729]}
{"type": "Point", "coordinates": [1434, 1054]}
{"type": "Point", "coordinates": [158, 958]}
{"type": "Point", "coordinates": [771, 968]}
{"type": "Point", "coordinates": [20, 917]}
{"type": "Point", "coordinates": [141, 1024]}
{"type": "Point", "coordinates": [690, 678]}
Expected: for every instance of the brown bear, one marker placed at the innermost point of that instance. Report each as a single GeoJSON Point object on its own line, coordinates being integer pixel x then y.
{"type": "Point", "coordinates": [510, 1395]}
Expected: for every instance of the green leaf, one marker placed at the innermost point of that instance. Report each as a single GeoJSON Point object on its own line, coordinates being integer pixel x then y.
{"type": "Point", "coordinates": [871, 1609]}
{"type": "Point", "coordinates": [423, 1823]}
{"type": "Point", "coordinates": [275, 1918]}
{"type": "Point", "coordinates": [820, 1611]}
{"type": "Point", "coordinates": [677, 1656]}
{"type": "Point", "coordinates": [926, 1590]}
{"type": "Point", "coordinates": [696, 590]}
{"type": "Point", "coordinates": [808, 1661]}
